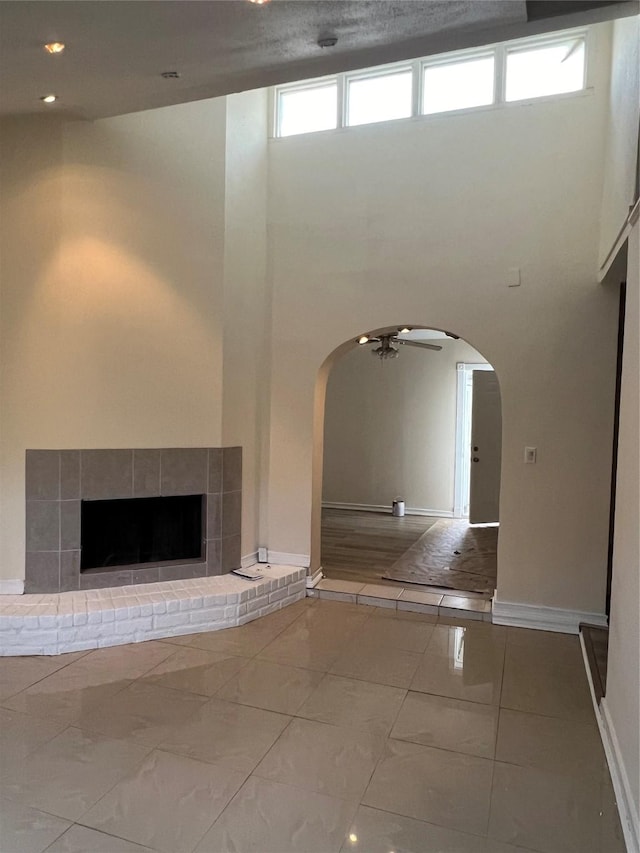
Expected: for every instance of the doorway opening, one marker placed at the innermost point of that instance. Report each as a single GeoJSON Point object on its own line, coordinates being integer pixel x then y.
{"type": "Point", "coordinates": [399, 428]}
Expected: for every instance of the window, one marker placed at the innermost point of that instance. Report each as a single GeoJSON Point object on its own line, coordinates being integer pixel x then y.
{"type": "Point", "coordinates": [491, 76]}
{"type": "Point", "coordinates": [546, 69]}
{"type": "Point", "coordinates": [458, 85]}
{"type": "Point", "coordinates": [307, 109]}
{"type": "Point", "coordinates": [379, 98]}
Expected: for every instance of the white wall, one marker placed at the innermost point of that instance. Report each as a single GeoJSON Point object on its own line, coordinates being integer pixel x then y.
{"type": "Point", "coordinates": [112, 277]}
{"type": "Point", "coordinates": [30, 224]}
{"type": "Point", "coordinates": [417, 223]}
{"type": "Point", "coordinates": [622, 700]}
{"type": "Point", "coordinates": [247, 314]}
{"type": "Point", "coordinates": [390, 427]}
{"type": "Point", "coordinates": [622, 139]}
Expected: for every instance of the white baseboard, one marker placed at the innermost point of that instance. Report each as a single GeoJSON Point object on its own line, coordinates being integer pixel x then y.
{"type": "Point", "coordinates": [249, 560]}
{"type": "Point", "coordinates": [543, 618]}
{"type": "Point", "coordinates": [314, 579]}
{"type": "Point", "coordinates": [282, 558]}
{"type": "Point", "coordinates": [14, 587]}
{"type": "Point", "coordinates": [627, 807]}
{"type": "Point", "coordinates": [409, 510]}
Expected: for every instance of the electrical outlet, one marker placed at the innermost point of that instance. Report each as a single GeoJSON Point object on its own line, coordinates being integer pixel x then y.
{"type": "Point", "coordinates": [530, 455]}
{"type": "Point", "coordinates": [263, 557]}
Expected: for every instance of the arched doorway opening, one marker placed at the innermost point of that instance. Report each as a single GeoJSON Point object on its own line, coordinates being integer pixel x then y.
{"type": "Point", "coordinates": [416, 427]}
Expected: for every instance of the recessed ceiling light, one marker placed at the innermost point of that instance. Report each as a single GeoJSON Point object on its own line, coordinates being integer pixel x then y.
{"type": "Point", "coordinates": [49, 99]}
{"type": "Point", "coordinates": [54, 47]}
{"type": "Point", "coordinates": [170, 75]}
{"type": "Point", "coordinates": [259, 2]}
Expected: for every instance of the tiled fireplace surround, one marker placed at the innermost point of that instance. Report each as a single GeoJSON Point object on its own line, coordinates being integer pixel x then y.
{"type": "Point", "coordinates": [58, 480]}
{"type": "Point", "coordinates": [65, 610]}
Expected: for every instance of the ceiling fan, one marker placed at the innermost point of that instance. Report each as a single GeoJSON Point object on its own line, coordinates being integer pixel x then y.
{"type": "Point", "coordinates": [386, 344]}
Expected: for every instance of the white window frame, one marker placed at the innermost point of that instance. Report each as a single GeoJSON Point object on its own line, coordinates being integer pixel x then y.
{"type": "Point", "coordinates": [539, 42]}
{"type": "Point", "coordinates": [417, 66]}
{"type": "Point", "coordinates": [375, 74]}
{"type": "Point", "coordinates": [459, 58]}
{"type": "Point", "coordinates": [306, 85]}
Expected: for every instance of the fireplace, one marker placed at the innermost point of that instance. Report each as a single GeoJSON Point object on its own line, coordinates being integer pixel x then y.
{"type": "Point", "coordinates": [183, 505]}
{"type": "Point", "coordinates": [137, 531]}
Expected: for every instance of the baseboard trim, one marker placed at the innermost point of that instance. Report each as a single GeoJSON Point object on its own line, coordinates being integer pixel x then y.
{"type": "Point", "coordinates": [624, 800]}
{"type": "Point", "coordinates": [314, 579]}
{"type": "Point", "coordinates": [282, 558]}
{"type": "Point", "coordinates": [626, 805]}
{"type": "Point", "coordinates": [410, 510]}
{"type": "Point", "coordinates": [543, 618]}
{"type": "Point", "coordinates": [12, 587]}
{"type": "Point", "coordinates": [249, 560]}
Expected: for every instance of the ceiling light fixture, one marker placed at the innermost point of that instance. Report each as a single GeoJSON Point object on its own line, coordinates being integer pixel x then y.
{"type": "Point", "coordinates": [54, 47]}
{"type": "Point", "coordinates": [363, 339]}
{"type": "Point", "coordinates": [404, 331]}
{"type": "Point", "coordinates": [170, 75]}
{"type": "Point", "coordinates": [385, 350]}
{"type": "Point", "coordinates": [259, 2]}
{"type": "Point", "coordinates": [49, 99]}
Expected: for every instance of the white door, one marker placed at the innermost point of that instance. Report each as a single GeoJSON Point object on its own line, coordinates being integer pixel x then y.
{"type": "Point", "coordinates": [486, 447]}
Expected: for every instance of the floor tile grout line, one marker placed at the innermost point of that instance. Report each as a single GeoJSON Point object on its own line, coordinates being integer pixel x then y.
{"type": "Point", "coordinates": [428, 822]}
{"type": "Point", "coordinates": [231, 799]}
{"type": "Point", "coordinates": [38, 680]}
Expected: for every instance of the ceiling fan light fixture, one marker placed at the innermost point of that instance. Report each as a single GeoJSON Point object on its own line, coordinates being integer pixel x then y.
{"type": "Point", "coordinates": [385, 351]}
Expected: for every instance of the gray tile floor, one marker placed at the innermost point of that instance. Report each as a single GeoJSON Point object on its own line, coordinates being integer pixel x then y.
{"type": "Point", "coordinates": [323, 727]}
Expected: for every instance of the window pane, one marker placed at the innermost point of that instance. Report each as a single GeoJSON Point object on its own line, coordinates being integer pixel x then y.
{"type": "Point", "coordinates": [306, 110]}
{"type": "Point", "coordinates": [379, 98]}
{"type": "Point", "coordinates": [458, 85]}
{"type": "Point", "coordinates": [547, 70]}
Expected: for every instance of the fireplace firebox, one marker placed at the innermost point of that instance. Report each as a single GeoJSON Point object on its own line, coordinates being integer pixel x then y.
{"type": "Point", "coordinates": [136, 531]}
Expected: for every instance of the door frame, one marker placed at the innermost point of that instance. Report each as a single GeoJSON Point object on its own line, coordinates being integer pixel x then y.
{"type": "Point", "coordinates": [462, 465]}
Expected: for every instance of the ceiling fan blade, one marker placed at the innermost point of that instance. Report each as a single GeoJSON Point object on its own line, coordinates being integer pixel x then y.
{"type": "Point", "coordinates": [420, 344]}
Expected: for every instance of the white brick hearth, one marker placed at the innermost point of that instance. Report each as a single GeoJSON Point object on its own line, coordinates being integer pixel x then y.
{"type": "Point", "coordinates": [52, 623]}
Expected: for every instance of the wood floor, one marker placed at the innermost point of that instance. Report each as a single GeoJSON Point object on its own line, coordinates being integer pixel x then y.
{"type": "Point", "coordinates": [362, 546]}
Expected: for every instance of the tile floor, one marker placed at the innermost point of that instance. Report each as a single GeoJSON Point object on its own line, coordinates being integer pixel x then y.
{"type": "Point", "coordinates": [326, 726]}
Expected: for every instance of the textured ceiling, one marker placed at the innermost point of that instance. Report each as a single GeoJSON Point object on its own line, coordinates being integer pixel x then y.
{"type": "Point", "coordinates": [116, 51]}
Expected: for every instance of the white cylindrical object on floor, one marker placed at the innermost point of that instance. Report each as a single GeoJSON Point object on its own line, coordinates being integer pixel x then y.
{"type": "Point", "coordinates": [397, 508]}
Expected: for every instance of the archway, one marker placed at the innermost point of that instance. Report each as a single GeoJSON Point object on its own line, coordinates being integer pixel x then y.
{"type": "Point", "coordinates": [401, 429]}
